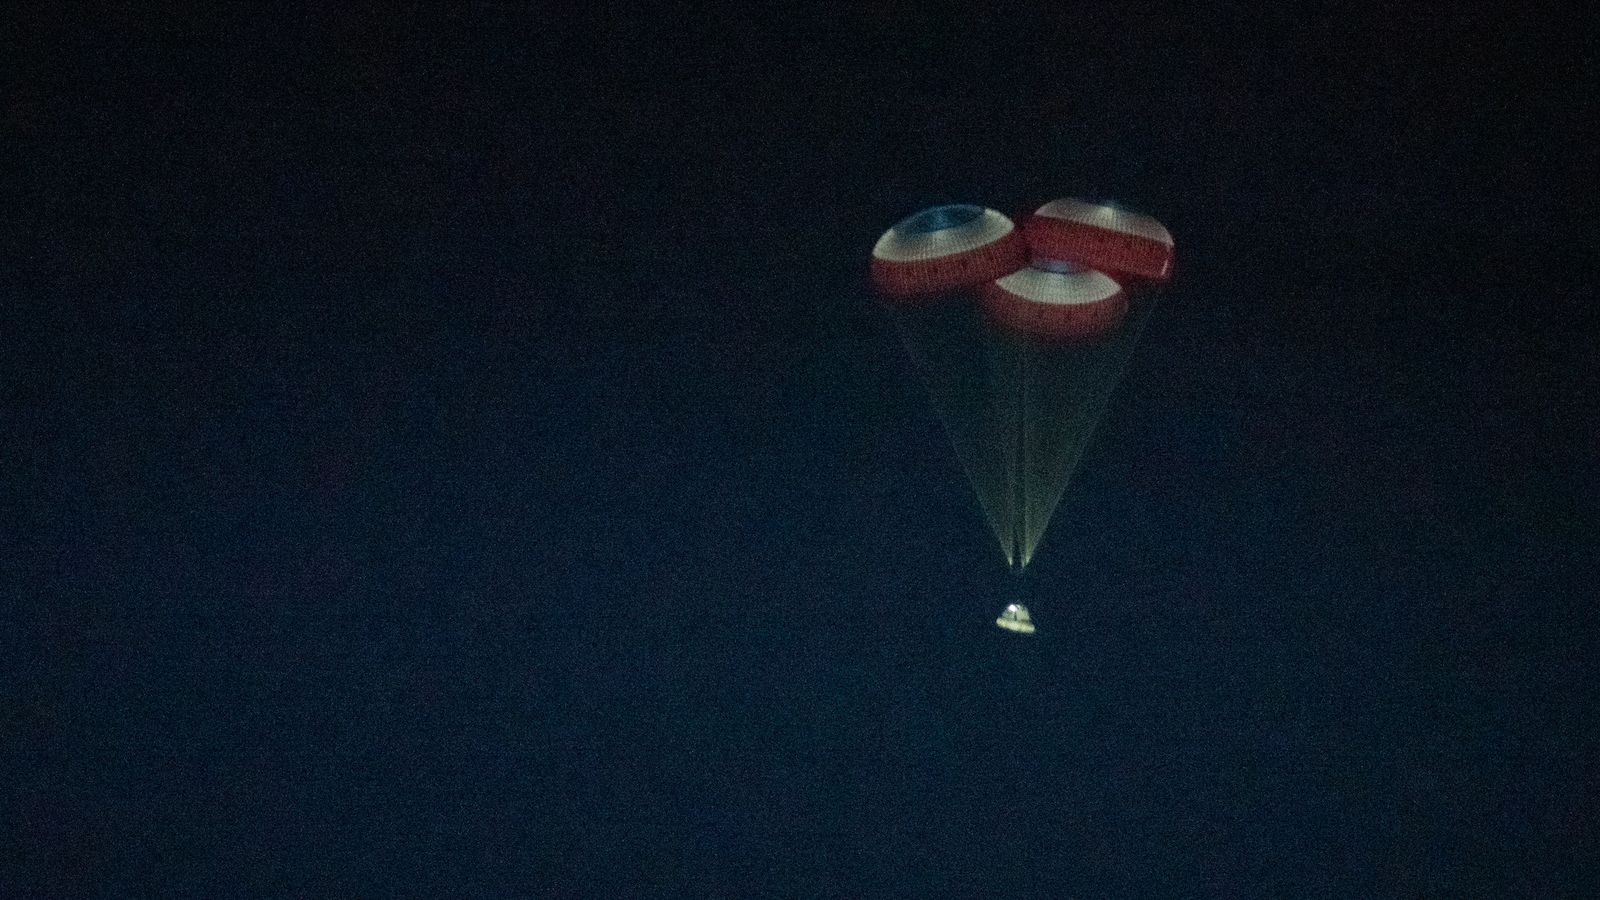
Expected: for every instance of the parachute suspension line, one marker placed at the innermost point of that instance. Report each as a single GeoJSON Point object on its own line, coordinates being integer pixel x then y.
{"type": "Point", "coordinates": [1020, 485]}
{"type": "Point", "coordinates": [1109, 375]}
{"type": "Point", "coordinates": [970, 465]}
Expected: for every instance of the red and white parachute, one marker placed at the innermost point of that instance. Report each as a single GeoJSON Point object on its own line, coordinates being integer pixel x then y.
{"type": "Point", "coordinates": [1021, 334]}
{"type": "Point", "coordinates": [945, 248]}
{"type": "Point", "coordinates": [1125, 245]}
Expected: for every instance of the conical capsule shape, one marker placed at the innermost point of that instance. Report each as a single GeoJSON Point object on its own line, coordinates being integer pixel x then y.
{"type": "Point", "coordinates": [1015, 618]}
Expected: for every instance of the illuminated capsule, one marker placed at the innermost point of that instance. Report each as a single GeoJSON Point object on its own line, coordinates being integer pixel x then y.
{"type": "Point", "coordinates": [1123, 244]}
{"type": "Point", "coordinates": [945, 248]}
{"type": "Point", "coordinates": [1052, 299]}
{"type": "Point", "coordinates": [1015, 618]}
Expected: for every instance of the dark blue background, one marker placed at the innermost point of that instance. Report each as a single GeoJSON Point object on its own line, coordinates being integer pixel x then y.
{"type": "Point", "coordinates": [456, 453]}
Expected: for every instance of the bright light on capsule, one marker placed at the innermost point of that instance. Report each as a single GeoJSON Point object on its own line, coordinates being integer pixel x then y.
{"type": "Point", "coordinates": [1016, 618]}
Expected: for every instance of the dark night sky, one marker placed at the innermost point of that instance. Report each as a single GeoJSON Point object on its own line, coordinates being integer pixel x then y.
{"type": "Point", "coordinates": [457, 454]}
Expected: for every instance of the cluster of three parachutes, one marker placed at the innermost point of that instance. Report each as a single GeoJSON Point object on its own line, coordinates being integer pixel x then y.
{"type": "Point", "coordinates": [1020, 336]}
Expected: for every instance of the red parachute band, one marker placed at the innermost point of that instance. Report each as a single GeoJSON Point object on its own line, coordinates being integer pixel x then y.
{"type": "Point", "coordinates": [1127, 245]}
{"type": "Point", "coordinates": [945, 248]}
{"type": "Point", "coordinates": [1044, 301]}
{"type": "Point", "coordinates": [1039, 325]}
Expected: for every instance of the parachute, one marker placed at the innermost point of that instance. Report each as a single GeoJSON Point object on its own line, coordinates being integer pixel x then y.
{"type": "Point", "coordinates": [1020, 336]}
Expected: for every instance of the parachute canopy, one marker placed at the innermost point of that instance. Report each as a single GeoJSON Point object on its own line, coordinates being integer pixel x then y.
{"type": "Point", "coordinates": [944, 248]}
{"type": "Point", "coordinates": [1124, 244]}
{"type": "Point", "coordinates": [1055, 303]}
{"type": "Point", "coordinates": [1020, 358]}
